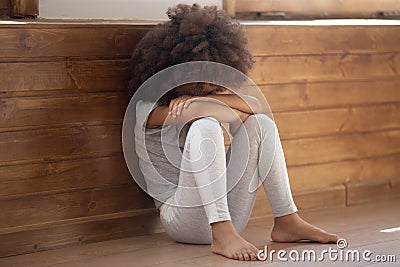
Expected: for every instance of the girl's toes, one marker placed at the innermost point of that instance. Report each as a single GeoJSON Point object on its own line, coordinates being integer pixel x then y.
{"type": "Point", "coordinates": [246, 257]}
{"type": "Point", "coordinates": [240, 256]}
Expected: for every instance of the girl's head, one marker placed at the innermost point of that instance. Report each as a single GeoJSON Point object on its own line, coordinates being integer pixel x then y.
{"type": "Point", "coordinates": [193, 33]}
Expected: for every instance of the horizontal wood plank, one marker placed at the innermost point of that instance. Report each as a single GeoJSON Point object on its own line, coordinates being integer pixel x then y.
{"type": "Point", "coordinates": [66, 175]}
{"type": "Point", "coordinates": [78, 141]}
{"type": "Point", "coordinates": [98, 172]}
{"type": "Point", "coordinates": [281, 97]}
{"type": "Point", "coordinates": [317, 95]}
{"type": "Point", "coordinates": [106, 74]}
{"type": "Point", "coordinates": [304, 199]}
{"type": "Point", "coordinates": [60, 143]}
{"type": "Point", "coordinates": [80, 232]}
{"type": "Point", "coordinates": [58, 110]}
{"type": "Point", "coordinates": [32, 210]}
{"type": "Point", "coordinates": [120, 41]}
{"type": "Point", "coordinates": [296, 40]}
{"type": "Point", "coordinates": [309, 123]}
{"type": "Point", "coordinates": [64, 75]}
{"type": "Point", "coordinates": [286, 69]}
{"type": "Point", "coordinates": [335, 173]}
{"type": "Point", "coordinates": [339, 148]}
{"type": "Point", "coordinates": [320, 198]}
{"type": "Point", "coordinates": [110, 108]}
{"type": "Point", "coordinates": [55, 41]}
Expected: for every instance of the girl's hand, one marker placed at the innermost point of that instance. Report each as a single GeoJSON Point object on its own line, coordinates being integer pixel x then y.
{"type": "Point", "coordinates": [242, 115]}
{"type": "Point", "coordinates": [234, 126]}
{"type": "Point", "coordinates": [178, 104]}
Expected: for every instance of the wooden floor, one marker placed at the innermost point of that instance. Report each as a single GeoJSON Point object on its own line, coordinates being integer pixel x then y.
{"type": "Point", "coordinates": [360, 225]}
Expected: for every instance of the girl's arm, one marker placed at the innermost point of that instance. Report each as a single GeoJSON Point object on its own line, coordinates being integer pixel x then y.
{"type": "Point", "coordinates": [244, 103]}
{"type": "Point", "coordinates": [199, 107]}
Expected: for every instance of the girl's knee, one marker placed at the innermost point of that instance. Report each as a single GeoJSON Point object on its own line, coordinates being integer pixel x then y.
{"type": "Point", "coordinates": [261, 121]}
{"type": "Point", "coordinates": [207, 127]}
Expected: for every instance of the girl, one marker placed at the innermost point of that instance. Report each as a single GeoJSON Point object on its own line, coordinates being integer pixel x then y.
{"type": "Point", "coordinates": [180, 144]}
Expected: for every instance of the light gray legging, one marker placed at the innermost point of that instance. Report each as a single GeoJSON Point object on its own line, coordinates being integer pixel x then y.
{"type": "Point", "coordinates": [202, 197]}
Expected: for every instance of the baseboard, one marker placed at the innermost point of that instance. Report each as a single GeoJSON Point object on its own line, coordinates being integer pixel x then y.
{"type": "Point", "coordinates": [368, 191]}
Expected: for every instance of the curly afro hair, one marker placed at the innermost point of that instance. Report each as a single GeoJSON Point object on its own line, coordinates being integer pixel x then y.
{"type": "Point", "coordinates": [193, 33]}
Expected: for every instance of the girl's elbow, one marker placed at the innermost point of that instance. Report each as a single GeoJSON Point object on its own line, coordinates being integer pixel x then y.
{"type": "Point", "coordinates": [255, 105]}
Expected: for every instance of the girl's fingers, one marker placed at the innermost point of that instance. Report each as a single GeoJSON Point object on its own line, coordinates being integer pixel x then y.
{"type": "Point", "coordinates": [187, 102]}
{"type": "Point", "coordinates": [180, 108]}
{"type": "Point", "coordinates": [171, 106]}
{"type": "Point", "coordinates": [176, 108]}
{"type": "Point", "coordinates": [178, 104]}
{"type": "Point", "coordinates": [184, 104]}
{"type": "Point", "coordinates": [173, 111]}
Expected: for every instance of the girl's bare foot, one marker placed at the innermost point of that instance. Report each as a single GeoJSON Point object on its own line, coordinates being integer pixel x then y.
{"type": "Point", "coordinates": [227, 242]}
{"type": "Point", "coordinates": [291, 228]}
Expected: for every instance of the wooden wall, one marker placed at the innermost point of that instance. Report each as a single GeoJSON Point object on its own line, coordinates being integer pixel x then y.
{"type": "Point", "coordinates": [335, 95]}
{"type": "Point", "coordinates": [334, 92]}
{"type": "Point", "coordinates": [63, 177]}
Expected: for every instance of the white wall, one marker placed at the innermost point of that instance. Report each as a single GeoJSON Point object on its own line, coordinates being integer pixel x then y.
{"type": "Point", "coordinates": [112, 9]}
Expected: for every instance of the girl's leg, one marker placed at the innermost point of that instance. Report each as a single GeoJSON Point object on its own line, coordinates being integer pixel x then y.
{"type": "Point", "coordinates": [256, 156]}
{"type": "Point", "coordinates": [198, 212]}
{"type": "Point", "coordinates": [256, 149]}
